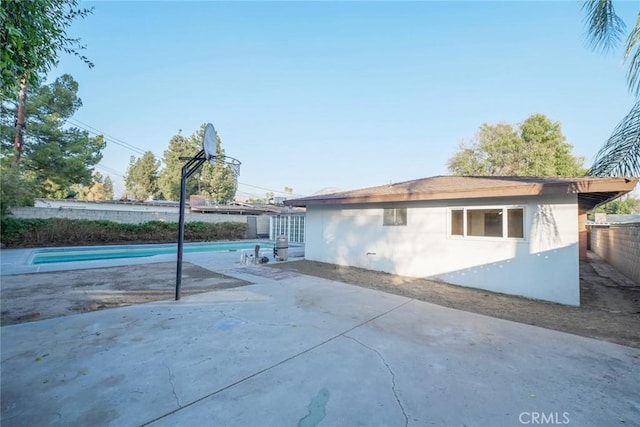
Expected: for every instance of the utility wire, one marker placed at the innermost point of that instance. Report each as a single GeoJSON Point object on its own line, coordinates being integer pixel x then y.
{"type": "Point", "coordinates": [271, 190]}
{"type": "Point", "coordinates": [113, 138]}
{"type": "Point", "coordinates": [139, 150]}
{"type": "Point", "coordinates": [110, 170]}
{"type": "Point", "coordinates": [107, 138]}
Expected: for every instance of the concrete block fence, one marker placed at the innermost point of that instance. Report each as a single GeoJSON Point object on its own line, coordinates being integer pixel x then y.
{"type": "Point", "coordinates": [619, 245]}
{"type": "Point", "coordinates": [135, 217]}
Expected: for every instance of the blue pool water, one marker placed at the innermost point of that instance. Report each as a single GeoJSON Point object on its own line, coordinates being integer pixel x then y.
{"type": "Point", "coordinates": [89, 253]}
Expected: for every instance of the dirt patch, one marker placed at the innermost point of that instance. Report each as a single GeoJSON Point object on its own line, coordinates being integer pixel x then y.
{"type": "Point", "coordinates": [609, 311]}
{"type": "Point", "coordinates": [30, 297]}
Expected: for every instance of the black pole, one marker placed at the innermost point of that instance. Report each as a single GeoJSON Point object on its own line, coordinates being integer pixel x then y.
{"type": "Point", "coordinates": [187, 170]}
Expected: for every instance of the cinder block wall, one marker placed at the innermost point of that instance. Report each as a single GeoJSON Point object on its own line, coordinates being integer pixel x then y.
{"type": "Point", "coordinates": [123, 217]}
{"type": "Point", "coordinates": [620, 245]}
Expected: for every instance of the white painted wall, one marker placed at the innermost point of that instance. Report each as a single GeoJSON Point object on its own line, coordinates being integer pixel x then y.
{"type": "Point", "coordinates": [544, 265]}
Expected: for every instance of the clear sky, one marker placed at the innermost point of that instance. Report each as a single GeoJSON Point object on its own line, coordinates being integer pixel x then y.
{"type": "Point", "coordinates": [339, 94]}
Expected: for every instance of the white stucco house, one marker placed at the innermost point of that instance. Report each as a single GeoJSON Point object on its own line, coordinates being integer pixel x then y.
{"type": "Point", "coordinates": [515, 235]}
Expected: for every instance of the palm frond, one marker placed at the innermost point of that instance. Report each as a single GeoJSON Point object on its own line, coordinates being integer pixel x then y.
{"type": "Point", "coordinates": [604, 28]}
{"type": "Point", "coordinates": [632, 53]}
{"type": "Point", "coordinates": [620, 155]}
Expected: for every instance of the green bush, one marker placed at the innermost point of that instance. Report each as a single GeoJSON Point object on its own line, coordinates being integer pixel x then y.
{"type": "Point", "coordinates": [15, 229]}
{"type": "Point", "coordinates": [15, 188]}
{"type": "Point", "coordinates": [20, 232]}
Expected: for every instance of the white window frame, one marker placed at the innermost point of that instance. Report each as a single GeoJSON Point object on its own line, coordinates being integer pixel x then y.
{"type": "Point", "coordinates": [505, 224]}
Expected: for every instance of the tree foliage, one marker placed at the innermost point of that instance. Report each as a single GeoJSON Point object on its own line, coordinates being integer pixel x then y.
{"type": "Point", "coordinates": [56, 156]}
{"type": "Point", "coordinates": [100, 189]}
{"type": "Point", "coordinates": [169, 180]}
{"type": "Point", "coordinates": [141, 181]}
{"type": "Point", "coordinates": [108, 188]}
{"type": "Point", "coordinates": [605, 29]}
{"type": "Point", "coordinates": [214, 180]}
{"type": "Point", "coordinates": [16, 189]}
{"type": "Point", "coordinates": [620, 155]}
{"type": "Point", "coordinates": [217, 181]}
{"type": "Point", "coordinates": [536, 147]}
{"type": "Point", "coordinates": [620, 206]}
{"type": "Point", "coordinates": [32, 33]}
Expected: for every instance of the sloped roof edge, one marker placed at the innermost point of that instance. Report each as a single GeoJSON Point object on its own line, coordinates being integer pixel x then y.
{"type": "Point", "coordinates": [592, 191]}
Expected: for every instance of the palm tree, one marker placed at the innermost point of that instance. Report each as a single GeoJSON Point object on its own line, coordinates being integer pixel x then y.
{"type": "Point", "coordinates": [620, 156]}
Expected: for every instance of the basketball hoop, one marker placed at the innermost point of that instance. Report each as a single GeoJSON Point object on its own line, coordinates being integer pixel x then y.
{"type": "Point", "coordinates": [209, 145]}
{"type": "Point", "coordinates": [207, 154]}
{"type": "Point", "coordinates": [234, 166]}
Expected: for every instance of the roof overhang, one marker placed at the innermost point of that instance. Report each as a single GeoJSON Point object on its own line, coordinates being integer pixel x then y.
{"type": "Point", "coordinates": [591, 191]}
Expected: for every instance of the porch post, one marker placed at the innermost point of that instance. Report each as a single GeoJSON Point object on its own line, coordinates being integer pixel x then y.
{"type": "Point", "coordinates": [582, 236]}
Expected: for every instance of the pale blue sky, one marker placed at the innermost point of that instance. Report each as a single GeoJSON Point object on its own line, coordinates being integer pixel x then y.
{"type": "Point", "coordinates": [340, 94]}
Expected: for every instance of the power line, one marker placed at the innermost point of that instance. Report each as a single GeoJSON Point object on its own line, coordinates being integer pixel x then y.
{"type": "Point", "coordinates": [271, 190]}
{"type": "Point", "coordinates": [107, 138]}
{"type": "Point", "coordinates": [97, 132]}
{"type": "Point", "coordinates": [113, 138]}
{"type": "Point", "coordinates": [132, 147]}
{"type": "Point", "coordinates": [110, 170]}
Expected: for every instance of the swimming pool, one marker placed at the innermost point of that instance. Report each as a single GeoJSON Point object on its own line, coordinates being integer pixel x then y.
{"type": "Point", "coordinates": [92, 253]}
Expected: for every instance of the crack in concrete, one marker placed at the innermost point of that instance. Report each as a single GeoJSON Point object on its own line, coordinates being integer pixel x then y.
{"type": "Point", "coordinates": [230, 316]}
{"type": "Point", "coordinates": [281, 362]}
{"type": "Point", "coordinates": [393, 376]}
{"type": "Point", "coordinates": [173, 386]}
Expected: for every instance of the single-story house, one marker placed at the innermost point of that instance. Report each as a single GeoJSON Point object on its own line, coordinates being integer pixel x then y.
{"type": "Point", "coordinates": [516, 235]}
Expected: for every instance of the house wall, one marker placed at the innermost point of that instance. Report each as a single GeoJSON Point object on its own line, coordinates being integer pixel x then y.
{"type": "Point", "coordinates": [619, 244]}
{"type": "Point", "coordinates": [543, 265]}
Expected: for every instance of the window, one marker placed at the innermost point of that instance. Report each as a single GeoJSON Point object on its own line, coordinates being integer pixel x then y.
{"type": "Point", "coordinates": [394, 216]}
{"type": "Point", "coordinates": [515, 223]}
{"type": "Point", "coordinates": [488, 222]}
{"type": "Point", "coordinates": [457, 222]}
{"type": "Point", "coordinates": [484, 222]}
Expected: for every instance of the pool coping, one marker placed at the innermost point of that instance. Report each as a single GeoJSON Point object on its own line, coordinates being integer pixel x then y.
{"type": "Point", "coordinates": [16, 261]}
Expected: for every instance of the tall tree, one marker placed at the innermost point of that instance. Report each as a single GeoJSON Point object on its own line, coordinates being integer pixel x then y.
{"type": "Point", "coordinates": [217, 180]}
{"type": "Point", "coordinates": [56, 156]}
{"type": "Point", "coordinates": [108, 188]}
{"type": "Point", "coordinates": [32, 33]}
{"type": "Point", "coordinates": [100, 189]}
{"type": "Point", "coordinates": [536, 147]}
{"type": "Point", "coordinates": [141, 180]}
{"type": "Point", "coordinates": [169, 180]}
{"type": "Point", "coordinates": [605, 29]}
{"type": "Point", "coordinates": [214, 181]}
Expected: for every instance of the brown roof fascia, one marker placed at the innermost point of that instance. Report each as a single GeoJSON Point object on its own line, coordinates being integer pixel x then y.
{"type": "Point", "coordinates": [520, 187]}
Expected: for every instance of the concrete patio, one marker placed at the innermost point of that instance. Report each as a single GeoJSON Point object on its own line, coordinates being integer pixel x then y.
{"type": "Point", "coordinates": [294, 350]}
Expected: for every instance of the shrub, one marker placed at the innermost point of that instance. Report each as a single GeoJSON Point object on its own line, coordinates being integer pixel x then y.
{"type": "Point", "coordinates": [21, 232]}
{"type": "Point", "coordinates": [15, 229]}
{"type": "Point", "coordinates": [15, 189]}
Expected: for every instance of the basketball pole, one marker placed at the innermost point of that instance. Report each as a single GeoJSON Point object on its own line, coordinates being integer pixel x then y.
{"type": "Point", "coordinates": [188, 169]}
